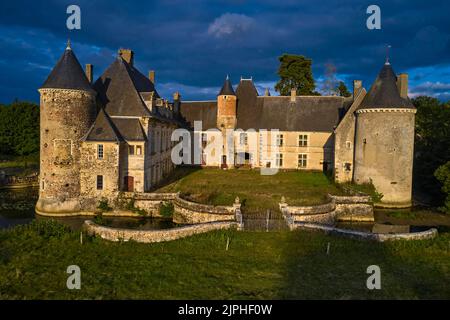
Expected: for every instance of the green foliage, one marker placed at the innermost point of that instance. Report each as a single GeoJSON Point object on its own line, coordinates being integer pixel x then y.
{"type": "Point", "coordinates": [166, 209]}
{"type": "Point", "coordinates": [295, 72]}
{"type": "Point", "coordinates": [103, 205]}
{"type": "Point", "coordinates": [443, 175]}
{"type": "Point", "coordinates": [275, 265]}
{"type": "Point", "coordinates": [432, 144]}
{"type": "Point", "coordinates": [130, 205]}
{"type": "Point", "coordinates": [45, 228]}
{"type": "Point", "coordinates": [365, 188]}
{"type": "Point", "coordinates": [342, 90]}
{"type": "Point", "coordinates": [98, 219]}
{"type": "Point", "coordinates": [19, 129]}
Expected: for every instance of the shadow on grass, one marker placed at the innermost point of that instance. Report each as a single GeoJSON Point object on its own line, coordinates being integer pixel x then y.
{"type": "Point", "coordinates": [409, 270]}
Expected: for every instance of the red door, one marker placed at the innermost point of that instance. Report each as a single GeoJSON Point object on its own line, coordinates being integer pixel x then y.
{"type": "Point", "coordinates": [129, 184]}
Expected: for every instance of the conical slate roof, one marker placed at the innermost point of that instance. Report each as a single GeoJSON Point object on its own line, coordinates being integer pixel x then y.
{"type": "Point", "coordinates": [67, 74]}
{"type": "Point", "coordinates": [384, 92]}
{"type": "Point", "coordinates": [227, 88]}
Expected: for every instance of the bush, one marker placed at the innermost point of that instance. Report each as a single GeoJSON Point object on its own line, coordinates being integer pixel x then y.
{"type": "Point", "coordinates": [48, 228]}
{"type": "Point", "coordinates": [443, 175]}
{"type": "Point", "coordinates": [103, 205]}
{"type": "Point", "coordinates": [166, 209]}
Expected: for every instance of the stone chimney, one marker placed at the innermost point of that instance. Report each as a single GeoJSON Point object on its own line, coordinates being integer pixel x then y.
{"type": "Point", "coordinates": [151, 76]}
{"type": "Point", "coordinates": [176, 103]}
{"type": "Point", "coordinates": [293, 94]}
{"type": "Point", "coordinates": [402, 85]}
{"type": "Point", "coordinates": [90, 72]}
{"type": "Point", "coordinates": [357, 85]}
{"type": "Point", "coordinates": [127, 55]}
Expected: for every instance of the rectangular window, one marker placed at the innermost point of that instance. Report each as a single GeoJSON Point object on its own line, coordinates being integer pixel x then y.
{"type": "Point", "coordinates": [302, 160]}
{"type": "Point", "coordinates": [279, 140]}
{"type": "Point", "coordinates": [99, 182]}
{"type": "Point", "coordinates": [131, 150]}
{"type": "Point", "coordinates": [204, 140]}
{"type": "Point", "coordinates": [139, 150]}
{"type": "Point", "coordinates": [303, 140]}
{"type": "Point", "coordinates": [100, 151]}
{"type": "Point", "coordinates": [279, 160]}
{"type": "Point", "coordinates": [243, 139]}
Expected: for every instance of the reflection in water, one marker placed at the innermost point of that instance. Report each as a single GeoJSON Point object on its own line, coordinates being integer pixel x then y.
{"type": "Point", "coordinates": [17, 207]}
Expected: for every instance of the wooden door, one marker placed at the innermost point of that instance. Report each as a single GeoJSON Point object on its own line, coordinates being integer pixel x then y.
{"type": "Point", "coordinates": [129, 184]}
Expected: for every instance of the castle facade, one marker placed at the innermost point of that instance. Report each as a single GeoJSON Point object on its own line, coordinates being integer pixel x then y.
{"type": "Point", "coordinates": [100, 138]}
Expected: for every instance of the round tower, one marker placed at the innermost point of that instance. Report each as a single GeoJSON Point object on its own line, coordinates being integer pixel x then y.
{"type": "Point", "coordinates": [226, 107]}
{"type": "Point", "coordinates": [67, 110]}
{"type": "Point", "coordinates": [384, 139]}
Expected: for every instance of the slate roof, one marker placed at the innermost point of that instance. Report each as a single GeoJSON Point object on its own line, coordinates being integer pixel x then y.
{"type": "Point", "coordinates": [67, 74]}
{"type": "Point", "coordinates": [205, 111]}
{"type": "Point", "coordinates": [103, 129]}
{"type": "Point", "coordinates": [384, 92]}
{"type": "Point", "coordinates": [227, 88]}
{"type": "Point", "coordinates": [119, 90]}
{"type": "Point", "coordinates": [130, 129]}
{"type": "Point", "coordinates": [307, 113]}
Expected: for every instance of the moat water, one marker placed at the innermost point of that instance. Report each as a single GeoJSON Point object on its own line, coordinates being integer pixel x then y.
{"type": "Point", "coordinates": [17, 208]}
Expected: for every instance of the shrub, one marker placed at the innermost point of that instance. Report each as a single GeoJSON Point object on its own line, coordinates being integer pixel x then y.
{"type": "Point", "coordinates": [166, 209]}
{"type": "Point", "coordinates": [48, 228]}
{"type": "Point", "coordinates": [103, 205]}
{"type": "Point", "coordinates": [443, 175]}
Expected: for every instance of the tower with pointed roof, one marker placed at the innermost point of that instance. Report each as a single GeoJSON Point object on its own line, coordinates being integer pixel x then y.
{"type": "Point", "coordinates": [68, 109]}
{"type": "Point", "coordinates": [226, 106]}
{"type": "Point", "coordinates": [384, 139]}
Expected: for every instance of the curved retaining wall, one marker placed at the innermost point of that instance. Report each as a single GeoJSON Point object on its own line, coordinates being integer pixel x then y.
{"type": "Point", "coordinates": [188, 212]}
{"type": "Point", "coordinates": [151, 236]}
{"type": "Point", "coordinates": [379, 237]}
{"type": "Point", "coordinates": [353, 208]}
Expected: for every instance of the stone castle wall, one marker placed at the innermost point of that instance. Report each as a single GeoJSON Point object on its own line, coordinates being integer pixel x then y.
{"type": "Point", "coordinates": [65, 117]}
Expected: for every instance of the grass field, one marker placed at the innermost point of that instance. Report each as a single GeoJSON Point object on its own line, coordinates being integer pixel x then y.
{"type": "Point", "coordinates": [284, 265]}
{"type": "Point", "coordinates": [220, 187]}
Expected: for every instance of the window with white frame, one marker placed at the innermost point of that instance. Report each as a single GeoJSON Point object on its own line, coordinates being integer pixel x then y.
{"type": "Point", "coordinates": [302, 160]}
{"type": "Point", "coordinates": [100, 151]}
{"type": "Point", "coordinates": [279, 160]}
{"type": "Point", "coordinates": [279, 140]}
{"type": "Point", "coordinates": [303, 140]}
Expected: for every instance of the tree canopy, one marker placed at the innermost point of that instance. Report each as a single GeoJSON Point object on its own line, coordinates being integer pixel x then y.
{"type": "Point", "coordinates": [432, 144]}
{"type": "Point", "coordinates": [295, 73]}
{"type": "Point", "coordinates": [19, 129]}
{"type": "Point", "coordinates": [342, 90]}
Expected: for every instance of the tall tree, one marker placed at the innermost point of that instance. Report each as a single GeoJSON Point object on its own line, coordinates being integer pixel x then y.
{"type": "Point", "coordinates": [432, 144]}
{"type": "Point", "coordinates": [295, 73]}
{"type": "Point", "coordinates": [342, 90]}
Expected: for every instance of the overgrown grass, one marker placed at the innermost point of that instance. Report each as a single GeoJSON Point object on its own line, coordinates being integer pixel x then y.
{"type": "Point", "coordinates": [284, 265]}
{"type": "Point", "coordinates": [220, 187]}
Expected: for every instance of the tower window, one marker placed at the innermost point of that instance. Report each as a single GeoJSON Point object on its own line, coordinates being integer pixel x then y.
{"type": "Point", "coordinates": [139, 150]}
{"type": "Point", "coordinates": [303, 140]}
{"type": "Point", "coordinates": [131, 150]}
{"type": "Point", "coordinates": [279, 140]}
{"type": "Point", "coordinates": [302, 160]}
{"type": "Point", "coordinates": [99, 182]}
{"type": "Point", "coordinates": [100, 151]}
{"type": "Point", "coordinates": [243, 139]}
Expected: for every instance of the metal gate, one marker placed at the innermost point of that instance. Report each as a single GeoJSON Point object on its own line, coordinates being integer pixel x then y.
{"type": "Point", "coordinates": [270, 220]}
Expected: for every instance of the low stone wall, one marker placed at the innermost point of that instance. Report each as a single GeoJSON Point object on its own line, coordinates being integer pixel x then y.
{"type": "Point", "coordinates": [188, 212]}
{"type": "Point", "coordinates": [151, 236]}
{"type": "Point", "coordinates": [318, 209]}
{"type": "Point", "coordinates": [353, 208]}
{"type": "Point", "coordinates": [379, 237]}
{"type": "Point", "coordinates": [150, 202]}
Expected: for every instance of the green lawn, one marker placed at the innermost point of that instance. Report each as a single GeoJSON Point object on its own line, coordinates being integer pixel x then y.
{"type": "Point", "coordinates": [284, 265]}
{"type": "Point", "coordinates": [220, 187]}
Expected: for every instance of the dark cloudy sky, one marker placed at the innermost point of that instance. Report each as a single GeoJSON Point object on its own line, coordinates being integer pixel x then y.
{"type": "Point", "coordinates": [193, 44]}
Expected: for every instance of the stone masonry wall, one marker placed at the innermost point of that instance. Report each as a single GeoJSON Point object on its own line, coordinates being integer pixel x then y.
{"type": "Point", "coordinates": [150, 236]}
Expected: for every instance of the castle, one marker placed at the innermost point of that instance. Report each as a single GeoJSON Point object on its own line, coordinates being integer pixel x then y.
{"type": "Point", "coordinates": [100, 138]}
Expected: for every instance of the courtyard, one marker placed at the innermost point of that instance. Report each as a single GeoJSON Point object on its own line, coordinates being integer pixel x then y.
{"type": "Point", "coordinates": [255, 191]}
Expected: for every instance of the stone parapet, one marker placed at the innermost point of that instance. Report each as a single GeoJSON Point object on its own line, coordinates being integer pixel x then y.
{"type": "Point", "coordinates": [151, 236]}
